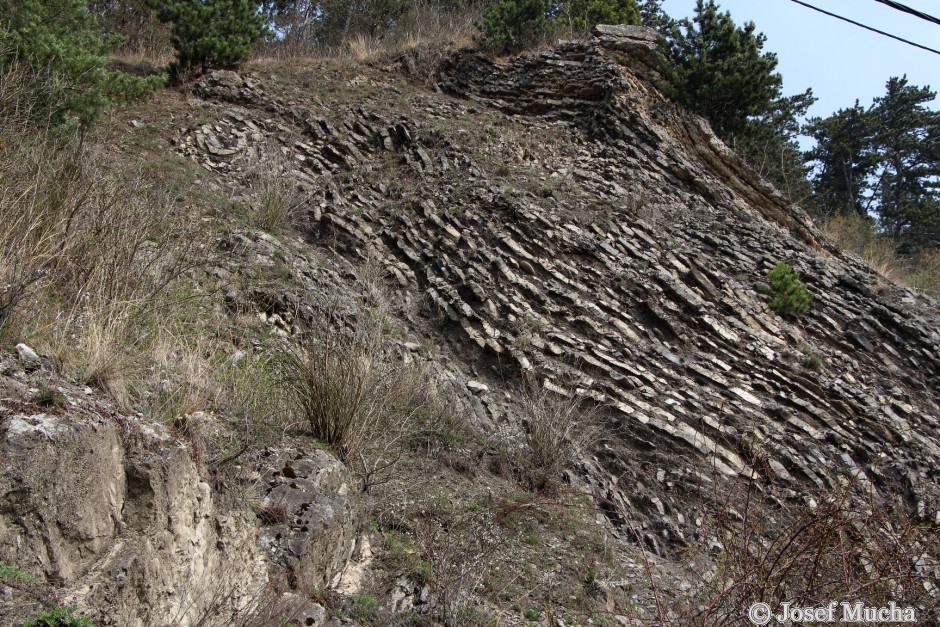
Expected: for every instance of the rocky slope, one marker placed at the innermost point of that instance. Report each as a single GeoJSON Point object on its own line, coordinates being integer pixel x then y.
{"type": "Point", "coordinates": [548, 219]}
{"type": "Point", "coordinates": [640, 291]}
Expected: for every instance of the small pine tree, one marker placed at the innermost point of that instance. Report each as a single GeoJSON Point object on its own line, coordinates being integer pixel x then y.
{"type": "Point", "coordinates": [511, 25]}
{"type": "Point", "coordinates": [59, 59]}
{"type": "Point", "coordinates": [211, 33]}
{"type": "Point", "coordinates": [790, 296]}
{"type": "Point", "coordinates": [586, 14]}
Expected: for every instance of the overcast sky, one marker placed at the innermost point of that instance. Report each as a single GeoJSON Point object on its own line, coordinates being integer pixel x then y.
{"type": "Point", "coordinates": [841, 62]}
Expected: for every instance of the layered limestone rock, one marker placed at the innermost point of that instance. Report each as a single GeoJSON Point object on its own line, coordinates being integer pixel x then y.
{"type": "Point", "coordinates": [134, 530]}
{"type": "Point", "coordinates": [117, 515]}
{"type": "Point", "coordinates": [620, 265]}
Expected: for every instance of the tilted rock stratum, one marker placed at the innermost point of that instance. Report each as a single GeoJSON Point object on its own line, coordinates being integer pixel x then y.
{"type": "Point", "coordinates": [613, 252]}
{"type": "Point", "coordinates": [549, 220]}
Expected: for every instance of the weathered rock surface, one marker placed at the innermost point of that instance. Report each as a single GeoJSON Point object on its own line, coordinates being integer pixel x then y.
{"type": "Point", "coordinates": [115, 513]}
{"type": "Point", "coordinates": [639, 293]}
{"type": "Point", "coordinates": [599, 241]}
{"type": "Point", "coordinates": [315, 517]}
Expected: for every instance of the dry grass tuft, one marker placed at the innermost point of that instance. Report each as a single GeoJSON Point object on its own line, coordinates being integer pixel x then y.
{"type": "Point", "coordinates": [558, 431]}
{"type": "Point", "coordinates": [857, 234]}
{"type": "Point", "coordinates": [362, 47]}
{"type": "Point", "coordinates": [278, 198]}
{"type": "Point", "coordinates": [427, 24]}
{"type": "Point", "coordinates": [356, 398]}
{"type": "Point", "coordinates": [925, 274]}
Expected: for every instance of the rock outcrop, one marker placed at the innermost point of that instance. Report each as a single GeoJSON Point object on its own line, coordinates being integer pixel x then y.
{"type": "Point", "coordinates": [639, 294]}
{"type": "Point", "coordinates": [116, 512]}
{"type": "Point", "coordinates": [547, 219]}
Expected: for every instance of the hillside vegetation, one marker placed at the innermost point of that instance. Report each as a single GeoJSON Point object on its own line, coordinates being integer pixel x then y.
{"type": "Point", "coordinates": [373, 327]}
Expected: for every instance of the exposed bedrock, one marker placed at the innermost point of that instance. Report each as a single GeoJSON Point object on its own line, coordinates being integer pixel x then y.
{"type": "Point", "coordinates": [615, 258]}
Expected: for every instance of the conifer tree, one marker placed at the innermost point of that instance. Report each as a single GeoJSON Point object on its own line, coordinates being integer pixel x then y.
{"type": "Point", "coordinates": [211, 33]}
{"type": "Point", "coordinates": [884, 161]}
{"type": "Point", "coordinates": [907, 146]}
{"type": "Point", "coordinates": [652, 15]}
{"type": "Point", "coordinates": [61, 59]}
{"type": "Point", "coordinates": [721, 71]}
{"type": "Point", "coordinates": [844, 161]}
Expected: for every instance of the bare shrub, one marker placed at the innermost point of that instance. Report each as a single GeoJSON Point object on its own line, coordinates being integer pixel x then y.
{"type": "Point", "coordinates": [425, 23]}
{"type": "Point", "coordinates": [273, 606]}
{"type": "Point", "coordinates": [25, 91]}
{"type": "Point", "coordinates": [841, 549]}
{"type": "Point", "coordinates": [335, 384]}
{"type": "Point", "coordinates": [558, 430]}
{"type": "Point", "coordinates": [356, 399]}
{"type": "Point", "coordinates": [461, 548]}
{"type": "Point", "coordinates": [145, 36]}
{"type": "Point", "coordinates": [430, 23]}
{"type": "Point", "coordinates": [407, 399]}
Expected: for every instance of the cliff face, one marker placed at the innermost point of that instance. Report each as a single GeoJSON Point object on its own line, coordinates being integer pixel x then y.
{"type": "Point", "coordinates": [614, 252]}
{"type": "Point", "coordinates": [552, 219]}
{"type": "Point", "coordinates": [124, 520]}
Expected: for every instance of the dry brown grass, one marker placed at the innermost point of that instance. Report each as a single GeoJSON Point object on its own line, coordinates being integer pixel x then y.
{"type": "Point", "coordinates": [362, 47]}
{"type": "Point", "coordinates": [426, 24]}
{"type": "Point", "coordinates": [278, 199]}
{"type": "Point", "coordinates": [857, 234]}
{"type": "Point", "coordinates": [93, 255]}
{"type": "Point", "coordinates": [95, 235]}
{"type": "Point", "coordinates": [925, 273]}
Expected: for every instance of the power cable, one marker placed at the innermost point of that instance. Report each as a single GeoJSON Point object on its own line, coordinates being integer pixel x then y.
{"type": "Point", "coordinates": [907, 9]}
{"type": "Point", "coordinates": [874, 30]}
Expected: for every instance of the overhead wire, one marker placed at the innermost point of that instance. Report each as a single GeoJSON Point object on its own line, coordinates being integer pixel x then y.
{"type": "Point", "coordinates": [874, 30]}
{"type": "Point", "coordinates": [906, 9]}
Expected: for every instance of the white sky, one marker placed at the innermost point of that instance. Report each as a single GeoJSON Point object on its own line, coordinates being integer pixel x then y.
{"type": "Point", "coordinates": [841, 62]}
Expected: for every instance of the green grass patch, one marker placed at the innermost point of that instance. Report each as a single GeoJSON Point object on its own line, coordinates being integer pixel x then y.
{"type": "Point", "coordinates": [58, 617]}
{"type": "Point", "coordinates": [12, 572]}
